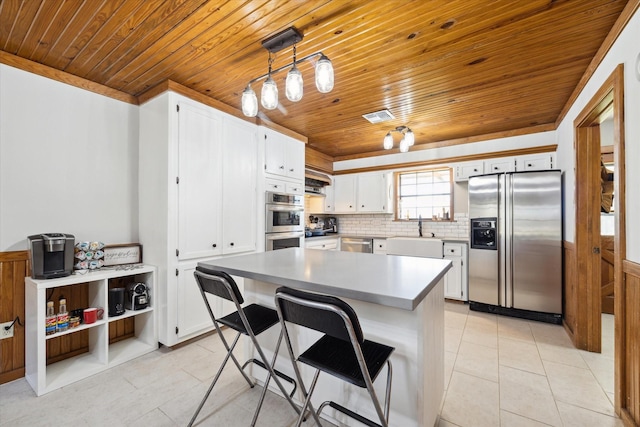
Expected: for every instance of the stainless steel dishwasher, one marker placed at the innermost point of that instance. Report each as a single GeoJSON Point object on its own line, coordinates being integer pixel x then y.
{"type": "Point", "coordinates": [356, 244]}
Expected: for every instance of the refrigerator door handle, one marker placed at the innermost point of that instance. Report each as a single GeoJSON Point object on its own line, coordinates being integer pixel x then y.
{"type": "Point", "coordinates": [508, 237]}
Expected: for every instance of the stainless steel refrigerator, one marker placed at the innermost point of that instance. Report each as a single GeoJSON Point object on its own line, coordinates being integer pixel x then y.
{"type": "Point", "coordinates": [515, 256]}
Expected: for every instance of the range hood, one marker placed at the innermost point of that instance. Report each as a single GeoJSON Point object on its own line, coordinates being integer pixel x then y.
{"type": "Point", "coordinates": [314, 182]}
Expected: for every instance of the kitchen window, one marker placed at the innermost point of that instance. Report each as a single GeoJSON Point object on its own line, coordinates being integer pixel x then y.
{"type": "Point", "coordinates": [426, 194]}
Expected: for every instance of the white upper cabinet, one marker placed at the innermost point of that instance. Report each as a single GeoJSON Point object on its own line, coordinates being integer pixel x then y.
{"type": "Point", "coordinates": [368, 192]}
{"type": "Point", "coordinates": [535, 162]}
{"type": "Point", "coordinates": [468, 169]}
{"type": "Point", "coordinates": [329, 199]}
{"type": "Point", "coordinates": [199, 148]}
{"type": "Point", "coordinates": [502, 164]}
{"type": "Point", "coordinates": [344, 192]}
{"type": "Point", "coordinates": [373, 192]}
{"type": "Point", "coordinates": [284, 156]}
{"type": "Point", "coordinates": [239, 194]}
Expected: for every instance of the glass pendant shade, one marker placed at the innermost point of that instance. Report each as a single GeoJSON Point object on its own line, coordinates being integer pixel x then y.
{"type": "Point", "coordinates": [249, 102]}
{"type": "Point", "coordinates": [324, 75]}
{"type": "Point", "coordinates": [410, 137]}
{"type": "Point", "coordinates": [294, 85]}
{"type": "Point", "coordinates": [269, 94]}
{"type": "Point", "coordinates": [388, 141]}
{"type": "Point", "coordinates": [404, 145]}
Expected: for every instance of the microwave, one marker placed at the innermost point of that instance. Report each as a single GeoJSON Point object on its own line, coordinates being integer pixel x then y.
{"type": "Point", "coordinates": [284, 213]}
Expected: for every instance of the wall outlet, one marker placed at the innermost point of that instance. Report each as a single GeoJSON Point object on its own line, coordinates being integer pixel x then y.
{"type": "Point", "coordinates": [4, 333]}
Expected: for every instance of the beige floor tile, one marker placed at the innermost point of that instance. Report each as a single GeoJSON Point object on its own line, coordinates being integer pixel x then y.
{"type": "Point", "coordinates": [520, 355]}
{"type": "Point", "coordinates": [453, 319]}
{"type": "Point", "coordinates": [477, 360]}
{"type": "Point", "coordinates": [577, 387]}
{"type": "Point", "coordinates": [516, 329]}
{"type": "Point", "coordinates": [164, 387]}
{"type": "Point", "coordinates": [528, 395]}
{"type": "Point", "coordinates": [550, 334]}
{"type": "Point", "coordinates": [155, 418]}
{"type": "Point", "coordinates": [471, 402]}
{"type": "Point", "coordinates": [574, 416]}
{"type": "Point", "coordinates": [445, 423]}
{"type": "Point", "coordinates": [449, 362]}
{"type": "Point", "coordinates": [452, 338]}
{"type": "Point", "coordinates": [561, 354]}
{"type": "Point", "coordinates": [507, 419]}
{"type": "Point", "coordinates": [602, 368]}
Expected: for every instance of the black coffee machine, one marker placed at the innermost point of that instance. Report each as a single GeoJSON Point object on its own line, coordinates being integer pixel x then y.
{"type": "Point", "coordinates": [51, 255]}
{"type": "Point", "coordinates": [331, 224]}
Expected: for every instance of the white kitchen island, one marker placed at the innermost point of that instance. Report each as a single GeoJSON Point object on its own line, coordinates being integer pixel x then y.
{"type": "Point", "coordinates": [399, 301]}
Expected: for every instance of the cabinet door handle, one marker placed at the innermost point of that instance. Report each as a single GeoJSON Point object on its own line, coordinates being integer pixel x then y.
{"type": "Point", "coordinates": [529, 165]}
{"type": "Point", "coordinates": [291, 170]}
{"type": "Point", "coordinates": [495, 168]}
{"type": "Point", "coordinates": [214, 245]}
{"type": "Point", "coordinates": [363, 206]}
{"type": "Point", "coordinates": [282, 167]}
{"type": "Point", "coordinates": [231, 244]}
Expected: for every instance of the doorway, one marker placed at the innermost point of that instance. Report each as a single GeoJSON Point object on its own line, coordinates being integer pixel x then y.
{"type": "Point", "coordinates": [587, 328]}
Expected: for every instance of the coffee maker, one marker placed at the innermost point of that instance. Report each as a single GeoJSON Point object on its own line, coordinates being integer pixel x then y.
{"type": "Point", "coordinates": [51, 255]}
{"type": "Point", "coordinates": [331, 224]}
{"type": "Point", "coordinates": [137, 296]}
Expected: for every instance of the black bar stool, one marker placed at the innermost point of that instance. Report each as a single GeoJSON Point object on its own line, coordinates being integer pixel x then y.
{"type": "Point", "coordinates": [342, 351]}
{"type": "Point", "coordinates": [251, 321]}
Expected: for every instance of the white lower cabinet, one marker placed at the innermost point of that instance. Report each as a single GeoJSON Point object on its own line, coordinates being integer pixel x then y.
{"type": "Point", "coordinates": [191, 315]}
{"type": "Point", "coordinates": [322, 243]}
{"type": "Point", "coordinates": [380, 246]}
{"type": "Point", "coordinates": [457, 278]}
{"type": "Point", "coordinates": [104, 345]}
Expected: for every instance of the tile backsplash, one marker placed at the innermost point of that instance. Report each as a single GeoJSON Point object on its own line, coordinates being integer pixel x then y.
{"type": "Point", "coordinates": [382, 225]}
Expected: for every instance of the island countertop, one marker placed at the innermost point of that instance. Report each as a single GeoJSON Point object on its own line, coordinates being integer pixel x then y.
{"type": "Point", "coordinates": [393, 281]}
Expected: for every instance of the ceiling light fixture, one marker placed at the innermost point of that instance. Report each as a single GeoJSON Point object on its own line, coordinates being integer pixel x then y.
{"type": "Point", "coordinates": [408, 139]}
{"type": "Point", "coordinates": [294, 84]}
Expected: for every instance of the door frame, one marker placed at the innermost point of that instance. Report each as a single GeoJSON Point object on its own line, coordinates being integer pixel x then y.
{"type": "Point", "coordinates": [587, 223]}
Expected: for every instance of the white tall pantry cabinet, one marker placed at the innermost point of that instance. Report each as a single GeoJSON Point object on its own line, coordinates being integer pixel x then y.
{"type": "Point", "coordinates": [197, 201]}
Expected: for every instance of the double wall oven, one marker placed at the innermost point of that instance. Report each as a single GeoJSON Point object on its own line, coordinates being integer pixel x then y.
{"type": "Point", "coordinates": [284, 224]}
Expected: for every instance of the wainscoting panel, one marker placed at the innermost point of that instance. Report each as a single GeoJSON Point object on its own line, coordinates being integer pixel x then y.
{"type": "Point", "coordinates": [14, 267]}
{"type": "Point", "coordinates": [631, 345]}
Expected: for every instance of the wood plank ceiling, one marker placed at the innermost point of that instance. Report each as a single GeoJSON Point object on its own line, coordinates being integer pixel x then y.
{"type": "Point", "coordinates": [449, 69]}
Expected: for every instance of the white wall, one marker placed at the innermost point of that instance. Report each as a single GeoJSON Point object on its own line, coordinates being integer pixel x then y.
{"type": "Point", "coordinates": [68, 162]}
{"type": "Point", "coordinates": [626, 50]}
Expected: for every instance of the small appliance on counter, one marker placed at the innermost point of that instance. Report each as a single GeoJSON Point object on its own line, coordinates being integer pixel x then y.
{"type": "Point", "coordinates": [137, 296]}
{"type": "Point", "coordinates": [51, 255]}
{"type": "Point", "coordinates": [116, 301]}
{"type": "Point", "coordinates": [331, 224]}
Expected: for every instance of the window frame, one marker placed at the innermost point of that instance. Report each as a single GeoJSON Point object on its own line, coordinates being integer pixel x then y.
{"type": "Point", "coordinates": [398, 212]}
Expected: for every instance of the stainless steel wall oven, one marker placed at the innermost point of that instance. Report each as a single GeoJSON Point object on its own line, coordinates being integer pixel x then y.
{"type": "Point", "coordinates": [284, 221]}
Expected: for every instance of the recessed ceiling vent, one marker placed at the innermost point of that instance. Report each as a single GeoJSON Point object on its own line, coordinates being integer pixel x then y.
{"type": "Point", "coordinates": [379, 116]}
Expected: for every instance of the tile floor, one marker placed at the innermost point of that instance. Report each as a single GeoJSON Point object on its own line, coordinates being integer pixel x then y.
{"type": "Point", "coordinates": [499, 371]}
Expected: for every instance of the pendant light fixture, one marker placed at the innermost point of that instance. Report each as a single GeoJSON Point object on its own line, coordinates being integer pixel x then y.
{"type": "Point", "coordinates": [269, 94]}
{"type": "Point", "coordinates": [324, 75]}
{"type": "Point", "coordinates": [294, 87]}
{"type": "Point", "coordinates": [408, 139]}
{"type": "Point", "coordinates": [249, 102]}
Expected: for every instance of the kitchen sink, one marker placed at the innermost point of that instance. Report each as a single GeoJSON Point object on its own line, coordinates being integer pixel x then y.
{"type": "Point", "coordinates": [427, 247]}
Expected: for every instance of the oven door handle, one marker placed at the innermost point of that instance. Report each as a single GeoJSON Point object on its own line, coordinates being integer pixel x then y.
{"type": "Point", "coordinates": [280, 208]}
{"type": "Point", "coordinates": [278, 236]}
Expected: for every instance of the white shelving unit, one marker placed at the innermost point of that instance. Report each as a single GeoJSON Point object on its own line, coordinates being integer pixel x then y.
{"type": "Point", "coordinates": [101, 355]}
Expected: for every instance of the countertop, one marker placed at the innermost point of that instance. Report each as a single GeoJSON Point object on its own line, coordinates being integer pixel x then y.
{"type": "Point", "coordinates": [393, 281]}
